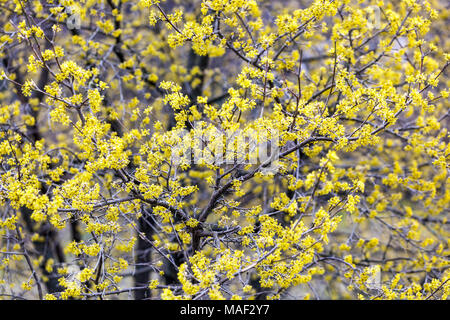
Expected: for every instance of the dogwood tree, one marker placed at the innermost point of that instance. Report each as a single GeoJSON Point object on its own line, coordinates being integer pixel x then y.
{"type": "Point", "coordinates": [224, 149]}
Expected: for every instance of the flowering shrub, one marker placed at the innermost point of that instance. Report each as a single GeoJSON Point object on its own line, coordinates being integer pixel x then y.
{"type": "Point", "coordinates": [132, 135]}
